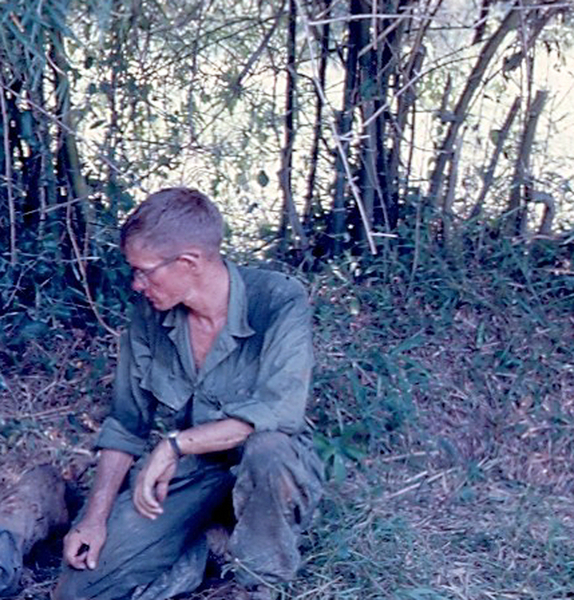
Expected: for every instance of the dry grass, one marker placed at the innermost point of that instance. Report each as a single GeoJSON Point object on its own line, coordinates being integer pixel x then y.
{"type": "Point", "coordinates": [457, 407]}
{"type": "Point", "coordinates": [464, 402]}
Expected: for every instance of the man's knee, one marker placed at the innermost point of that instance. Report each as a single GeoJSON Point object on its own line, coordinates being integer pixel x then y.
{"type": "Point", "coordinates": [66, 589]}
{"type": "Point", "coordinates": [264, 468]}
{"type": "Point", "coordinates": [263, 446]}
{"type": "Point", "coordinates": [281, 465]}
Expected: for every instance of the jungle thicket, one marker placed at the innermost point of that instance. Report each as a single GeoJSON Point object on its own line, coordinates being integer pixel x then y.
{"type": "Point", "coordinates": [324, 129]}
{"type": "Point", "coordinates": [411, 161]}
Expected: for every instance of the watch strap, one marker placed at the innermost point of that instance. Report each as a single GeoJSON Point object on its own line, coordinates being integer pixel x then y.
{"type": "Point", "coordinates": [172, 439]}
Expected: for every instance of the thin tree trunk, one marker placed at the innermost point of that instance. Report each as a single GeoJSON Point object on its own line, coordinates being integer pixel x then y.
{"type": "Point", "coordinates": [70, 155]}
{"type": "Point", "coordinates": [344, 123]}
{"type": "Point", "coordinates": [406, 101]}
{"type": "Point", "coordinates": [317, 129]}
{"type": "Point", "coordinates": [489, 174]}
{"type": "Point", "coordinates": [369, 148]}
{"type": "Point", "coordinates": [8, 172]}
{"type": "Point", "coordinates": [516, 212]}
{"type": "Point", "coordinates": [447, 212]}
{"type": "Point", "coordinates": [289, 213]}
{"type": "Point", "coordinates": [389, 54]}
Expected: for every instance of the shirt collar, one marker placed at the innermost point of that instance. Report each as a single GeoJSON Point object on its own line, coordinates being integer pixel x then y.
{"type": "Point", "coordinates": [237, 321]}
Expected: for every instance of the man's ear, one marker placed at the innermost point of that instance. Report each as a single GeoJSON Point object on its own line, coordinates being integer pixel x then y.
{"type": "Point", "coordinates": [192, 259]}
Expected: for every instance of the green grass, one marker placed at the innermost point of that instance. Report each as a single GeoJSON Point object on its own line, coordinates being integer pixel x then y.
{"type": "Point", "coordinates": [443, 408]}
{"type": "Point", "coordinates": [455, 395]}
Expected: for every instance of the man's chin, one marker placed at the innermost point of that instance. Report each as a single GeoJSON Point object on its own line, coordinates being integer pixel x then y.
{"type": "Point", "coordinates": [160, 304]}
{"type": "Point", "coordinates": [157, 304]}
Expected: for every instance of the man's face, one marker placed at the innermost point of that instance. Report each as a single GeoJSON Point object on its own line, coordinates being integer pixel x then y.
{"type": "Point", "coordinates": [161, 280]}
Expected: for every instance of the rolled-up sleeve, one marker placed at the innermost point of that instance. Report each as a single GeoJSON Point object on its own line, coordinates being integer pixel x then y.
{"type": "Point", "coordinates": [114, 436]}
{"type": "Point", "coordinates": [129, 423]}
{"type": "Point", "coordinates": [277, 401]}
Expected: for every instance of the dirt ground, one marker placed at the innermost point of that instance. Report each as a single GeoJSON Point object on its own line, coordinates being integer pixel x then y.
{"type": "Point", "coordinates": [468, 498]}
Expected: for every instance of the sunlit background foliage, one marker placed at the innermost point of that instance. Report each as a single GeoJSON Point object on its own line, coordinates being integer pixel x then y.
{"type": "Point", "coordinates": [410, 160]}
{"type": "Point", "coordinates": [320, 128]}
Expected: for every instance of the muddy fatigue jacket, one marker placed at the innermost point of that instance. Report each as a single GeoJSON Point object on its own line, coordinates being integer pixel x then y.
{"type": "Point", "coordinates": [258, 371]}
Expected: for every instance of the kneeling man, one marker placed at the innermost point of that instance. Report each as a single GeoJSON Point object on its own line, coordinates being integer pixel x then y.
{"type": "Point", "coordinates": [221, 356]}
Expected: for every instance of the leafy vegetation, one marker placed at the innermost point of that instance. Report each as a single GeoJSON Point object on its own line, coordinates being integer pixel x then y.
{"type": "Point", "coordinates": [442, 402]}
{"type": "Point", "coordinates": [442, 407]}
{"type": "Point", "coordinates": [321, 128]}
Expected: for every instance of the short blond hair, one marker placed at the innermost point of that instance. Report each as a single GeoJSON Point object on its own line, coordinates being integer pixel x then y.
{"type": "Point", "coordinates": [173, 220]}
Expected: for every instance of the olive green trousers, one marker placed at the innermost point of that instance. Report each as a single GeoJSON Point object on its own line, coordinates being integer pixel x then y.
{"type": "Point", "coordinates": [275, 483]}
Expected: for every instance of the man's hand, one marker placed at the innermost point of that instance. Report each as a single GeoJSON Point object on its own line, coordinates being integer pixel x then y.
{"type": "Point", "coordinates": [83, 543]}
{"type": "Point", "coordinates": [153, 481]}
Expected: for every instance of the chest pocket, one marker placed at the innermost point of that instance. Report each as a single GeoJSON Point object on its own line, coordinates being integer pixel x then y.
{"type": "Point", "coordinates": [173, 389]}
{"type": "Point", "coordinates": [231, 383]}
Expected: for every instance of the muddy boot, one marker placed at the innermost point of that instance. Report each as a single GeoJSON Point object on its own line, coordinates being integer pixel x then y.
{"type": "Point", "coordinates": [28, 511]}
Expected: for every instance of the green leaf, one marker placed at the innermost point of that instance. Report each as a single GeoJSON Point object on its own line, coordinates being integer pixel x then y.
{"type": "Point", "coordinates": [339, 468]}
{"type": "Point", "coordinates": [416, 340]}
{"type": "Point", "coordinates": [262, 178]}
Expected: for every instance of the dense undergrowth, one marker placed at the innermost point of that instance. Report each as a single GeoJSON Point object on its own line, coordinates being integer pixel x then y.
{"type": "Point", "coordinates": [443, 408]}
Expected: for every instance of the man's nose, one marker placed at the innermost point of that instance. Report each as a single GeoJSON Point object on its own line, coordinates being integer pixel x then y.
{"type": "Point", "coordinates": [138, 284]}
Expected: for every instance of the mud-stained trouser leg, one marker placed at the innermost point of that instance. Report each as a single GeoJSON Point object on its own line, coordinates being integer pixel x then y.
{"type": "Point", "coordinates": [139, 552]}
{"type": "Point", "coordinates": [279, 483]}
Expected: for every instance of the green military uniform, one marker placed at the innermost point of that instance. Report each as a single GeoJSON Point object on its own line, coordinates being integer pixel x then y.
{"type": "Point", "coordinates": [258, 371]}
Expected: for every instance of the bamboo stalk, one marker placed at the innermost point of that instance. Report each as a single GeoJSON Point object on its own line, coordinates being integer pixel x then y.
{"type": "Point", "coordinates": [489, 174]}
{"type": "Point", "coordinates": [8, 173]}
{"type": "Point", "coordinates": [289, 208]}
{"type": "Point", "coordinates": [317, 129]}
{"type": "Point", "coordinates": [341, 152]}
{"type": "Point", "coordinates": [514, 213]}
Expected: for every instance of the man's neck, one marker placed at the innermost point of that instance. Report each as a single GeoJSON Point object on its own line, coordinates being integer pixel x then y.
{"type": "Point", "coordinates": [209, 303]}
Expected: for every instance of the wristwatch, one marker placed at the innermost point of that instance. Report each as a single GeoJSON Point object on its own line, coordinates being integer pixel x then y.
{"type": "Point", "coordinates": [172, 439]}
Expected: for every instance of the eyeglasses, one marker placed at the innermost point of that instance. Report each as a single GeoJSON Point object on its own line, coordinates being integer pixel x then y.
{"type": "Point", "coordinates": [143, 275]}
